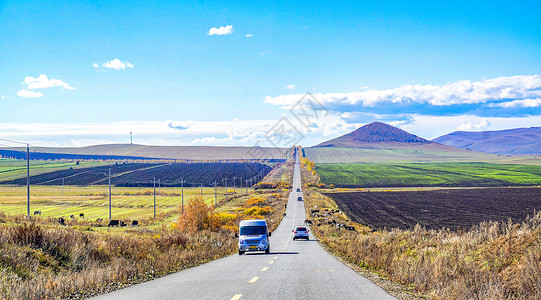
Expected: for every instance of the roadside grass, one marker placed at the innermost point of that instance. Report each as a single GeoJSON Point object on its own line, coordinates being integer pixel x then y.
{"type": "Point", "coordinates": [492, 260]}
{"type": "Point", "coordinates": [40, 259]}
{"type": "Point", "coordinates": [429, 174]}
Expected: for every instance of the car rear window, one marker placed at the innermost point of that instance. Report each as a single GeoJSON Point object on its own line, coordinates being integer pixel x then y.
{"type": "Point", "coordinates": [301, 228]}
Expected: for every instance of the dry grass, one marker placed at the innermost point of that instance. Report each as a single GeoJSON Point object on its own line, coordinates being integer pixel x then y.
{"type": "Point", "coordinates": [46, 262]}
{"type": "Point", "coordinates": [490, 261]}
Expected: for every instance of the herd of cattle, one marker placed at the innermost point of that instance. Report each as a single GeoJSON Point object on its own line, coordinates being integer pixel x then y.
{"type": "Point", "coordinates": [112, 223]}
{"type": "Point", "coordinates": [327, 217]}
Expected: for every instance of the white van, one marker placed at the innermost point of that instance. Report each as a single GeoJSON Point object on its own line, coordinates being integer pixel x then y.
{"type": "Point", "coordinates": [254, 236]}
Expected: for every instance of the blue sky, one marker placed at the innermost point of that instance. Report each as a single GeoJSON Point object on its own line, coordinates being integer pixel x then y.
{"type": "Point", "coordinates": [85, 72]}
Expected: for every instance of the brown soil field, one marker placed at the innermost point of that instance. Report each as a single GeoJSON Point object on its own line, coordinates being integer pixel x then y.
{"type": "Point", "coordinates": [450, 208]}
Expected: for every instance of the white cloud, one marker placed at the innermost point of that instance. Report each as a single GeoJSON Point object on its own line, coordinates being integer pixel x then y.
{"type": "Point", "coordinates": [4, 97]}
{"type": "Point", "coordinates": [291, 86]}
{"type": "Point", "coordinates": [460, 92]}
{"type": "Point", "coordinates": [519, 103]}
{"type": "Point", "coordinates": [483, 125]}
{"type": "Point", "coordinates": [29, 94]}
{"type": "Point", "coordinates": [42, 82]}
{"type": "Point", "coordinates": [249, 35]}
{"type": "Point", "coordinates": [222, 30]}
{"type": "Point", "coordinates": [265, 52]}
{"type": "Point", "coordinates": [115, 64]}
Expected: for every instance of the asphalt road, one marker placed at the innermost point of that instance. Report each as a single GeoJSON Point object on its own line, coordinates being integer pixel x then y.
{"type": "Point", "coordinates": [293, 270]}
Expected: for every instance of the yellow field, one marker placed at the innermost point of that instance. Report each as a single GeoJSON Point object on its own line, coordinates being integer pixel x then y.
{"type": "Point", "coordinates": [127, 202]}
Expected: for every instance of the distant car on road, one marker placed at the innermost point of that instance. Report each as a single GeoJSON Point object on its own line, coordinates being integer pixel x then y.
{"type": "Point", "coordinates": [299, 199]}
{"type": "Point", "coordinates": [298, 190]}
{"type": "Point", "coordinates": [300, 232]}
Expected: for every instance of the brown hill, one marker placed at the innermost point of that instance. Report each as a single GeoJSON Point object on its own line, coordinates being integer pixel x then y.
{"type": "Point", "coordinates": [374, 133]}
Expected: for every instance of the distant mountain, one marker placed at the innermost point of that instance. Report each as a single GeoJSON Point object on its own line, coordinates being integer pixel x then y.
{"type": "Point", "coordinates": [510, 141]}
{"type": "Point", "coordinates": [373, 135]}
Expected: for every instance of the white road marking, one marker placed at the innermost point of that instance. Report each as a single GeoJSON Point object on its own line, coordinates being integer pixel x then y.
{"type": "Point", "coordinates": [254, 279]}
{"type": "Point", "coordinates": [236, 297]}
{"type": "Point", "coordinates": [275, 257]}
{"type": "Point", "coordinates": [264, 269]}
{"type": "Point", "coordinates": [271, 262]}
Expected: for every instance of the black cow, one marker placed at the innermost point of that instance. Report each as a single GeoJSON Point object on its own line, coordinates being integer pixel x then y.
{"type": "Point", "coordinates": [37, 212]}
{"type": "Point", "coordinates": [122, 224]}
{"type": "Point", "coordinates": [134, 223]}
{"type": "Point", "coordinates": [61, 221]}
{"type": "Point", "coordinates": [82, 216]}
{"type": "Point", "coordinates": [307, 222]}
{"type": "Point", "coordinates": [113, 223]}
{"type": "Point", "coordinates": [72, 217]}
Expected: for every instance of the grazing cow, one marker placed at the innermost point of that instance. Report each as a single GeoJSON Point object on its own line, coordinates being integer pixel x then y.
{"type": "Point", "coordinates": [307, 222]}
{"type": "Point", "coordinates": [72, 217]}
{"type": "Point", "coordinates": [134, 223]}
{"type": "Point", "coordinates": [113, 223]}
{"type": "Point", "coordinates": [61, 221]}
{"type": "Point", "coordinates": [122, 224]}
{"type": "Point", "coordinates": [37, 212]}
{"type": "Point", "coordinates": [82, 216]}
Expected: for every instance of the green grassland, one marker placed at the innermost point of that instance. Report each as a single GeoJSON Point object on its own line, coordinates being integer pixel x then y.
{"type": "Point", "coordinates": [13, 168]}
{"type": "Point", "coordinates": [127, 202]}
{"type": "Point", "coordinates": [429, 174]}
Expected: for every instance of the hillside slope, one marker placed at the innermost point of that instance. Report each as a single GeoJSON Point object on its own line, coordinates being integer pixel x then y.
{"type": "Point", "coordinates": [372, 135]}
{"type": "Point", "coordinates": [195, 153]}
{"type": "Point", "coordinates": [511, 141]}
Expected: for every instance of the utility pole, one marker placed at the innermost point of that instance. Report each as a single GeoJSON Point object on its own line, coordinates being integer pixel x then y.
{"type": "Point", "coordinates": [215, 195]}
{"type": "Point", "coordinates": [154, 181]}
{"type": "Point", "coordinates": [225, 188]}
{"type": "Point", "coordinates": [28, 180]}
{"type": "Point", "coordinates": [109, 194]}
{"type": "Point", "coordinates": [182, 193]}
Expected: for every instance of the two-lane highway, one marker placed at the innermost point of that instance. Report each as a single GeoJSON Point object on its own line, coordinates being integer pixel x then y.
{"type": "Point", "coordinates": [293, 270]}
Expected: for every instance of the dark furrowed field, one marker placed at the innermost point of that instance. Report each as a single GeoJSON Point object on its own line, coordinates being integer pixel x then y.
{"type": "Point", "coordinates": [435, 209]}
{"type": "Point", "coordinates": [141, 174]}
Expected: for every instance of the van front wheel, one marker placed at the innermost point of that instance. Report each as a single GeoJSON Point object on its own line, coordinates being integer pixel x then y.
{"type": "Point", "coordinates": [241, 252]}
{"type": "Point", "coordinates": [267, 251]}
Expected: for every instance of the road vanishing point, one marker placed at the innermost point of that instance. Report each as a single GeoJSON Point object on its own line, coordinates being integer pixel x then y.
{"type": "Point", "coordinates": [292, 270]}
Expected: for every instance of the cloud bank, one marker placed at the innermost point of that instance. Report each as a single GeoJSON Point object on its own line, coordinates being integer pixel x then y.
{"type": "Point", "coordinates": [460, 92]}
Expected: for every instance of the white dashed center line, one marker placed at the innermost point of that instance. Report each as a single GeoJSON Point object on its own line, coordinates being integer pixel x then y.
{"type": "Point", "coordinates": [236, 297]}
{"type": "Point", "coordinates": [271, 262]}
{"type": "Point", "coordinates": [254, 279]}
{"type": "Point", "coordinates": [264, 269]}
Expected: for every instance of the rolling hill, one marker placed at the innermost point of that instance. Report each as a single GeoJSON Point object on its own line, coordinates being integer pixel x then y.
{"type": "Point", "coordinates": [381, 143]}
{"type": "Point", "coordinates": [132, 151]}
{"type": "Point", "coordinates": [518, 141]}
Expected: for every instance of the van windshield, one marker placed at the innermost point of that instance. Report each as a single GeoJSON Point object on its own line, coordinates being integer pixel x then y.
{"type": "Point", "coordinates": [253, 230]}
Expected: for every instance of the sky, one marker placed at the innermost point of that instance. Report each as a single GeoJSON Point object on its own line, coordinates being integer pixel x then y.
{"type": "Point", "coordinates": [267, 73]}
